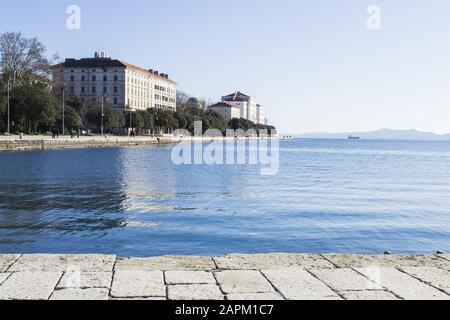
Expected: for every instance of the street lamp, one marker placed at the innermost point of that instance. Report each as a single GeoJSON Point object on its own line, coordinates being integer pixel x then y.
{"type": "Point", "coordinates": [8, 126]}
{"type": "Point", "coordinates": [63, 107]}
{"type": "Point", "coordinates": [103, 114]}
{"type": "Point", "coordinates": [131, 110]}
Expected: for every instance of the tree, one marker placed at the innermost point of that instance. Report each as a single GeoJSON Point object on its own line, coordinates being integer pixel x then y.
{"type": "Point", "coordinates": [72, 120]}
{"type": "Point", "coordinates": [114, 119]}
{"type": "Point", "coordinates": [32, 106]}
{"type": "Point", "coordinates": [182, 99]}
{"type": "Point", "coordinates": [22, 60]}
{"type": "Point", "coordinates": [76, 103]}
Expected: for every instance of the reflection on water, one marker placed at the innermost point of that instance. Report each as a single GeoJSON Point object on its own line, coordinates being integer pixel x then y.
{"type": "Point", "coordinates": [329, 196]}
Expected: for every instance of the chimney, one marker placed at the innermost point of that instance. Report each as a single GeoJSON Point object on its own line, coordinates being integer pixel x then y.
{"type": "Point", "coordinates": [163, 75]}
{"type": "Point", "coordinates": [156, 72]}
{"type": "Point", "coordinates": [151, 70]}
{"type": "Point", "coordinates": [167, 76]}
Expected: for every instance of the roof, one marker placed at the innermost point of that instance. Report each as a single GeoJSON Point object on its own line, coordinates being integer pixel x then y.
{"type": "Point", "coordinates": [139, 69]}
{"type": "Point", "coordinates": [237, 96]}
{"type": "Point", "coordinates": [108, 63]}
{"type": "Point", "coordinates": [222, 105]}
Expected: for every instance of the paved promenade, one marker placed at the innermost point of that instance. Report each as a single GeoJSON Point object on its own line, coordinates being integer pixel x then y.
{"type": "Point", "coordinates": [234, 277]}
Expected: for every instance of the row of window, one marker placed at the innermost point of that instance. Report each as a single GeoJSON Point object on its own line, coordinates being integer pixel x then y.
{"type": "Point", "coordinates": [94, 89]}
{"type": "Point", "coordinates": [94, 78]}
{"type": "Point", "coordinates": [94, 70]}
{"type": "Point", "coordinates": [94, 100]}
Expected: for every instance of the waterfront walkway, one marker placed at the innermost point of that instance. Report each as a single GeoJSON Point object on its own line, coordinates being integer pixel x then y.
{"type": "Point", "coordinates": [235, 277]}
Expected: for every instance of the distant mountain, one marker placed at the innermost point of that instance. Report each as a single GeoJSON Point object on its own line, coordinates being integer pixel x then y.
{"type": "Point", "coordinates": [383, 134]}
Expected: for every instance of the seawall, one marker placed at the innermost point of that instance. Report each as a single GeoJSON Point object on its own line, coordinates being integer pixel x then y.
{"type": "Point", "coordinates": [234, 277]}
{"type": "Point", "coordinates": [45, 143]}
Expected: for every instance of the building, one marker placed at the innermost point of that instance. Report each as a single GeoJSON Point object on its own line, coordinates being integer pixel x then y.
{"type": "Point", "coordinates": [227, 111]}
{"type": "Point", "coordinates": [261, 114]}
{"type": "Point", "coordinates": [121, 84]}
{"type": "Point", "coordinates": [248, 107]}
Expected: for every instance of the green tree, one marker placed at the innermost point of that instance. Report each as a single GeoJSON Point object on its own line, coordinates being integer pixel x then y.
{"type": "Point", "coordinates": [32, 107]}
{"type": "Point", "coordinates": [72, 120]}
{"type": "Point", "coordinates": [114, 119]}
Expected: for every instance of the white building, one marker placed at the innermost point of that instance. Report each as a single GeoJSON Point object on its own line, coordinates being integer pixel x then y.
{"type": "Point", "coordinates": [120, 84]}
{"type": "Point", "coordinates": [261, 114]}
{"type": "Point", "coordinates": [227, 111]}
{"type": "Point", "coordinates": [248, 107]}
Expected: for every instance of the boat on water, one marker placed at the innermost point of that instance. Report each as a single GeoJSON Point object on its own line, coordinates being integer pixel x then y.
{"type": "Point", "coordinates": [353, 137]}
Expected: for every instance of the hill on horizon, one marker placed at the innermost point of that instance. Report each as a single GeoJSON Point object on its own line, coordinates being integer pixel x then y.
{"type": "Point", "coordinates": [382, 134]}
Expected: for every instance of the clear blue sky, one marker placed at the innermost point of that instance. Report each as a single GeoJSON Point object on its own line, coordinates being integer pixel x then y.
{"type": "Point", "coordinates": [313, 64]}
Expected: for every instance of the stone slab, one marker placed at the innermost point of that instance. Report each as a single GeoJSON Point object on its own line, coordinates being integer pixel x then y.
{"type": "Point", "coordinates": [243, 281]}
{"type": "Point", "coordinates": [195, 292]}
{"type": "Point", "coordinates": [390, 261]}
{"type": "Point", "coordinates": [271, 261]}
{"type": "Point", "coordinates": [133, 284]}
{"type": "Point", "coordinates": [438, 278]}
{"type": "Point", "coordinates": [345, 279]}
{"type": "Point", "coordinates": [167, 264]}
{"type": "Point", "coordinates": [369, 295]}
{"type": "Point", "coordinates": [29, 286]}
{"type": "Point", "coordinates": [81, 294]}
{"type": "Point", "coordinates": [85, 280]}
{"type": "Point", "coordinates": [404, 285]}
{"type": "Point", "coordinates": [298, 284]}
{"type": "Point", "coordinates": [267, 296]}
{"type": "Point", "coordinates": [63, 263]}
{"type": "Point", "coordinates": [6, 260]}
{"type": "Point", "coordinates": [189, 277]}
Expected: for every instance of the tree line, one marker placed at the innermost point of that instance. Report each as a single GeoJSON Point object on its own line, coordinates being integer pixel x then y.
{"type": "Point", "coordinates": [25, 69]}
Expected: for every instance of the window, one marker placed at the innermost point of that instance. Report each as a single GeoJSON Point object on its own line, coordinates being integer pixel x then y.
{"type": "Point", "coordinates": [105, 89]}
{"type": "Point", "coordinates": [72, 90]}
{"type": "Point", "coordinates": [115, 89]}
{"type": "Point", "coordinates": [94, 78]}
{"type": "Point", "coordinates": [116, 78]}
{"type": "Point", "coordinates": [94, 100]}
{"type": "Point", "coordinates": [105, 78]}
{"type": "Point", "coordinates": [115, 100]}
{"type": "Point", "coordinates": [72, 78]}
{"type": "Point", "coordinates": [94, 89]}
{"type": "Point", "coordinates": [83, 78]}
{"type": "Point", "coordinates": [83, 89]}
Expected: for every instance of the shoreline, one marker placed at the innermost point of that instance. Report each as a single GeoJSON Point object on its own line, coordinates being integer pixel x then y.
{"type": "Point", "coordinates": [275, 276]}
{"type": "Point", "coordinates": [46, 143]}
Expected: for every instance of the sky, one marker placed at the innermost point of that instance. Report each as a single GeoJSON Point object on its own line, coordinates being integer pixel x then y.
{"type": "Point", "coordinates": [314, 65]}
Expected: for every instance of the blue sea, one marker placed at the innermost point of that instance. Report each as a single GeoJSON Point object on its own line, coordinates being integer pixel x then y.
{"type": "Point", "coordinates": [328, 196]}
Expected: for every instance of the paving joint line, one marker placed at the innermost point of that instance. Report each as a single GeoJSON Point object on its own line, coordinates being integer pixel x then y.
{"type": "Point", "coordinates": [379, 284]}
{"type": "Point", "coordinates": [12, 263]}
{"type": "Point", "coordinates": [273, 286]}
{"type": "Point", "coordinates": [326, 284]}
{"type": "Point", "coordinates": [423, 281]}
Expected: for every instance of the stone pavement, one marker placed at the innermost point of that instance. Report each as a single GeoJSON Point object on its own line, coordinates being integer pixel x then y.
{"type": "Point", "coordinates": [234, 277]}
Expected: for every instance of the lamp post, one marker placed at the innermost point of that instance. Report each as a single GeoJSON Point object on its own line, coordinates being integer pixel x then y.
{"type": "Point", "coordinates": [103, 114]}
{"type": "Point", "coordinates": [63, 107]}
{"type": "Point", "coordinates": [131, 110]}
{"type": "Point", "coordinates": [8, 103]}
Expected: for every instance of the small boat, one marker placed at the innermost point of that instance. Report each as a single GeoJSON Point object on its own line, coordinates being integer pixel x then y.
{"type": "Point", "coordinates": [353, 138]}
